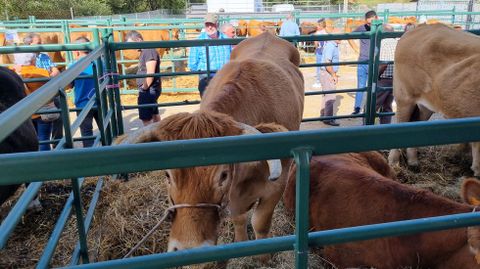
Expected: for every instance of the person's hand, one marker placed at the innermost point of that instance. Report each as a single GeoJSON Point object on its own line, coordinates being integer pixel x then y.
{"type": "Point", "coordinates": [335, 78]}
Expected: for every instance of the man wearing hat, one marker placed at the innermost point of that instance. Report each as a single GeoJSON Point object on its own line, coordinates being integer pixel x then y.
{"type": "Point", "coordinates": [218, 55]}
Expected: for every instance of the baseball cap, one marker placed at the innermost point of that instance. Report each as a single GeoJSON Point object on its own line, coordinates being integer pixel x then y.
{"type": "Point", "coordinates": [211, 18]}
{"type": "Point", "coordinates": [321, 20]}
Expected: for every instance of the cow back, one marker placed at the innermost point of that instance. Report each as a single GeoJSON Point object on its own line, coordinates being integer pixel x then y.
{"type": "Point", "coordinates": [436, 65]}
{"type": "Point", "coordinates": [261, 83]}
{"type": "Point", "coordinates": [349, 190]}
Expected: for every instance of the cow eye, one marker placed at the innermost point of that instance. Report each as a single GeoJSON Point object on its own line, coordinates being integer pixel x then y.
{"type": "Point", "coordinates": [167, 176]}
{"type": "Point", "coordinates": [223, 177]}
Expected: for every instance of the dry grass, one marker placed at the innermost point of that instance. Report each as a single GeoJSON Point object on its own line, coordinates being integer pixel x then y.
{"type": "Point", "coordinates": [440, 170]}
{"type": "Point", "coordinates": [128, 210]}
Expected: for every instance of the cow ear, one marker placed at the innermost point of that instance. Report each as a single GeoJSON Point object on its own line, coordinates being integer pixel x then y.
{"type": "Point", "coordinates": [471, 191]}
{"type": "Point", "coordinates": [270, 128]}
{"type": "Point", "coordinates": [142, 135]}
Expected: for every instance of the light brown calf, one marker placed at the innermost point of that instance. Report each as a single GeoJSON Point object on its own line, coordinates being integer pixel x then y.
{"type": "Point", "coordinates": [261, 84]}
{"type": "Point", "coordinates": [436, 70]}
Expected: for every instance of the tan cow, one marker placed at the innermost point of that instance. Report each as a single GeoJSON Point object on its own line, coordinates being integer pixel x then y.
{"type": "Point", "coordinates": [436, 71]}
{"type": "Point", "coordinates": [356, 189]}
{"type": "Point", "coordinates": [254, 28]}
{"type": "Point", "coordinates": [262, 83]}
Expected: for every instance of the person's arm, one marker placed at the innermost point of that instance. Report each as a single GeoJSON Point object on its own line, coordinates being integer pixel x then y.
{"type": "Point", "coordinates": [381, 69]}
{"type": "Point", "coordinates": [329, 59]}
{"type": "Point", "coordinates": [193, 59]}
{"type": "Point", "coordinates": [151, 66]}
{"type": "Point", "coordinates": [332, 72]}
{"type": "Point", "coordinates": [354, 44]}
{"type": "Point", "coordinates": [54, 72]}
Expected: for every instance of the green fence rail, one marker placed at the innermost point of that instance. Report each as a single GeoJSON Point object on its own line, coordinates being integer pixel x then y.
{"type": "Point", "coordinates": [299, 145]}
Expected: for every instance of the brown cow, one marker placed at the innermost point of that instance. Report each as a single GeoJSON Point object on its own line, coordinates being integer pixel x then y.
{"type": "Point", "coordinates": [436, 71]}
{"type": "Point", "coordinates": [261, 83]}
{"type": "Point", "coordinates": [254, 28]}
{"type": "Point", "coordinates": [355, 189]}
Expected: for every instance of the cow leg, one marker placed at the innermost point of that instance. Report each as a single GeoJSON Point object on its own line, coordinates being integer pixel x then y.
{"type": "Point", "coordinates": [420, 114]}
{"type": "Point", "coordinates": [476, 158]}
{"type": "Point", "coordinates": [240, 226]}
{"type": "Point", "coordinates": [262, 220]}
{"type": "Point", "coordinates": [404, 113]}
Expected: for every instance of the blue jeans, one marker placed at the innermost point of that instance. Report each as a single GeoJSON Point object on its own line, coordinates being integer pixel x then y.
{"type": "Point", "coordinates": [44, 132]}
{"type": "Point", "coordinates": [318, 57]}
{"type": "Point", "coordinates": [362, 76]}
{"type": "Point", "coordinates": [86, 127]}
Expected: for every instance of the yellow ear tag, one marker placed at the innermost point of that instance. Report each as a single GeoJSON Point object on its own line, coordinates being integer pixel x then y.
{"type": "Point", "coordinates": [473, 201]}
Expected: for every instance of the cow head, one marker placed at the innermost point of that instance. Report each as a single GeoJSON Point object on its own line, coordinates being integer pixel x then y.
{"type": "Point", "coordinates": [471, 195]}
{"type": "Point", "coordinates": [199, 195]}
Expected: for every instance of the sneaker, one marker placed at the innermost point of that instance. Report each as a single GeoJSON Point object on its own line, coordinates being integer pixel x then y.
{"type": "Point", "coordinates": [317, 85]}
{"type": "Point", "coordinates": [356, 111]}
{"type": "Point", "coordinates": [331, 122]}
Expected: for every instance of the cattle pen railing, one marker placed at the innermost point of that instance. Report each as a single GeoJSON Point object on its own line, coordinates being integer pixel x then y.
{"type": "Point", "coordinates": [301, 145]}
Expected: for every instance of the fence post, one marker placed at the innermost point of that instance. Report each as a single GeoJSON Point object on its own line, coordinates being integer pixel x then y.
{"type": "Point", "coordinates": [453, 15]}
{"type": "Point", "coordinates": [111, 78]}
{"type": "Point", "coordinates": [386, 15]}
{"type": "Point", "coordinates": [66, 40]}
{"type": "Point", "coordinates": [372, 73]}
{"type": "Point", "coordinates": [101, 98]}
{"type": "Point", "coordinates": [115, 92]}
{"type": "Point", "coordinates": [75, 183]}
{"type": "Point", "coordinates": [302, 224]}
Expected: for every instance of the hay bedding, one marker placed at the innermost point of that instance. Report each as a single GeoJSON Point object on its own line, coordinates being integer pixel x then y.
{"type": "Point", "coordinates": [128, 210]}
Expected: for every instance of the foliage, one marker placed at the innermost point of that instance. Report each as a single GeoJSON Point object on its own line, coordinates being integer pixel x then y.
{"type": "Point", "coordinates": [60, 9]}
{"type": "Point", "coordinates": [54, 9]}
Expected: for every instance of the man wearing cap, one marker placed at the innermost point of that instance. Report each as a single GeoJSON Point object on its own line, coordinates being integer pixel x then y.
{"type": "Point", "coordinates": [362, 69]}
{"type": "Point", "coordinates": [217, 55]}
{"type": "Point", "coordinates": [321, 25]}
{"type": "Point", "coordinates": [289, 27]}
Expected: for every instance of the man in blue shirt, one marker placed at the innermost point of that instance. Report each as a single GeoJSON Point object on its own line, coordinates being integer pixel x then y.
{"type": "Point", "coordinates": [218, 55]}
{"type": "Point", "coordinates": [362, 69]}
{"type": "Point", "coordinates": [289, 27]}
{"type": "Point", "coordinates": [84, 90]}
{"type": "Point", "coordinates": [329, 78]}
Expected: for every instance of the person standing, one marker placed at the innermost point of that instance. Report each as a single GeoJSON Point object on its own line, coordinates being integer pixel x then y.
{"type": "Point", "coordinates": [44, 61]}
{"type": "Point", "coordinates": [362, 69]}
{"type": "Point", "coordinates": [228, 30]}
{"type": "Point", "coordinates": [83, 91]}
{"type": "Point", "coordinates": [149, 88]}
{"type": "Point", "coordinates": [321, 25]}
{"type": "Point", "coordinates": [384, 98]}
{"type": "Point", "coordinates": [329, 78]}
{"type": "Point", "coordinates": [217, 55]}
{"type": "Point", "coordinates": [25, 67]}
{"type": "Point", "coordinates": [289, 27]}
